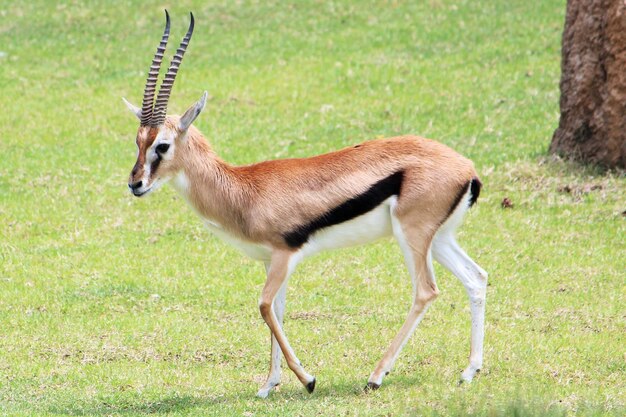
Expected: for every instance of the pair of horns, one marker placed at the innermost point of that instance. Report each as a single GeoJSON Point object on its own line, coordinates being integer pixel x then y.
{"type": "Point", "coordinates": [153, 112]}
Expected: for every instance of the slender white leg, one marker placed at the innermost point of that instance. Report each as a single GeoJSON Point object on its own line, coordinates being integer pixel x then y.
{"type": "Point", "coordinates": [449, 254]}
{"type": "Point", "coordinates": [418, 261]}
{"type": "Point", "coordinates": [273, 379]}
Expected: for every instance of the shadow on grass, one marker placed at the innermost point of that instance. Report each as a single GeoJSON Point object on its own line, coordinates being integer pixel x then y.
{"type": "Point", "coordinates": [519, 405]}
{"type": "Point", "coordinates": [127, 405]}
{"type": "Point", "coordinates": [139, 406]}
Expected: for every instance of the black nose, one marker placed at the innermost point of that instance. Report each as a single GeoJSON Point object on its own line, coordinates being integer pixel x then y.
{"type": "Point", "coordinates": [135, 185]}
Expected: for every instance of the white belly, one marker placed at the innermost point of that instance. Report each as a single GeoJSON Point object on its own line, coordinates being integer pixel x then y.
{"type": "Point", "coordinates": [253, 250]}
{"type": "Point", "coordinates": [364, 229]}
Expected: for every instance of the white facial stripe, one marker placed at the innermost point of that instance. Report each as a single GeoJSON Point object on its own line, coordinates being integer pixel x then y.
{"type": "Point", "coordinates": [146, 173]}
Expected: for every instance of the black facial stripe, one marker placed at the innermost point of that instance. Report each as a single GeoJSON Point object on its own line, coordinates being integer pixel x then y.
{"type": "Point", "coordinates": [352, 208]}
{"type": "Point", "coordinates": [155, 165]}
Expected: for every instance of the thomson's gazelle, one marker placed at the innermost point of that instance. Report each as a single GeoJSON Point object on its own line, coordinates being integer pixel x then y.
{"type": "Point", "coordinates": [283, 211]}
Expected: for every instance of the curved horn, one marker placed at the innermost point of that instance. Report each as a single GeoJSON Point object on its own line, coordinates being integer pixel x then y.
{"type": "Point", "coordinates": [160, 107]}
{"type": "Point", "coordinates": [153, 74]}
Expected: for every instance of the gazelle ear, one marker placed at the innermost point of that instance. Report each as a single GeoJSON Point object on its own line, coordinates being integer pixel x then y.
{"type": "Point", "coordinates": [190, 115]}
{"type": "Point", "coordinates": [136, 110]}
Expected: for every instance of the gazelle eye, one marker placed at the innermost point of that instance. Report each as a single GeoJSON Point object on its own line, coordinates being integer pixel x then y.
{"type": "Point", "coordinates": [162, 148]}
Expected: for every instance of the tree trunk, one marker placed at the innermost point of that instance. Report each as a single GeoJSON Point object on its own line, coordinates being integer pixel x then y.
{"type": "Point", "coordinates": [593, 84]}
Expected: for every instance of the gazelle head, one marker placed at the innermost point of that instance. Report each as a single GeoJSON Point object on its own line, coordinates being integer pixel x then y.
{"type": "Point", "coordinates": [160, 137]}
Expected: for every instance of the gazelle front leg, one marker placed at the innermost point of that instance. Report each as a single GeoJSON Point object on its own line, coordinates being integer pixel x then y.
{"type": "Point", "coordinates": [281, 266]}
{"type": "Point", "coordinates": [273, 379]}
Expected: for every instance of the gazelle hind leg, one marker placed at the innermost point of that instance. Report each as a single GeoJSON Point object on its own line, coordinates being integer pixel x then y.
{"type": "Point", "coordinates": [273, 379]}
{"type": "Point", "coordinates": [415, 248]}
{"type": "Point", "coordinates": [449, 254]}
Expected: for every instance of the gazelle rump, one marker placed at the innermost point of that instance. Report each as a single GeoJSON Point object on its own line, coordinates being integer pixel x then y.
{"type": "Point", "coordinates": [283, 211]}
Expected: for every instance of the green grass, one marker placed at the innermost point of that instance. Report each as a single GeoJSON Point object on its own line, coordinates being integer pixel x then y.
{"type": "Point", "coordinates": [112, 305]}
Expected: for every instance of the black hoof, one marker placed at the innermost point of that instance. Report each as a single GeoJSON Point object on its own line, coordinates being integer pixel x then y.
{"type": "Point", "coordinates": [311, 386]}
{"type": "Point", "coordinates": [372, 386]}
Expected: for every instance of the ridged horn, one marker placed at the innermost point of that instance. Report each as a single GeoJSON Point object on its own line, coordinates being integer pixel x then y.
{"type": "Point", "coordinates": [153, 74]}
{"type": "Point", "coordinates": [160, 106]}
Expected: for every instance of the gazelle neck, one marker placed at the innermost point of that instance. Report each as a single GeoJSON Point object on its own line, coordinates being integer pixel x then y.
{"type": "Point", "coordinates": [211, 185]}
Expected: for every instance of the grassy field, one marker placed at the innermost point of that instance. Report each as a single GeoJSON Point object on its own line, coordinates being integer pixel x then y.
{"type": "Point", "coordinates": [112, 305]}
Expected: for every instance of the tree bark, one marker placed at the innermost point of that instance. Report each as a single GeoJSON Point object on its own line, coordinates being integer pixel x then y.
{"type": "Point", "coordinates": [592, 127]}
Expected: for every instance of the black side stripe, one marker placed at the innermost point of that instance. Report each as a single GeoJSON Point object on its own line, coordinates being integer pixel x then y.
{"type": "Point", "coordinates": [155, 165]}
{"type": "Point", "coordinates": [352, 208]}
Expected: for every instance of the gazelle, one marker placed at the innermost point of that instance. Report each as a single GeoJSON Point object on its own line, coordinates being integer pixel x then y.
{"type": "Point", "coordinates": [283, 211]}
